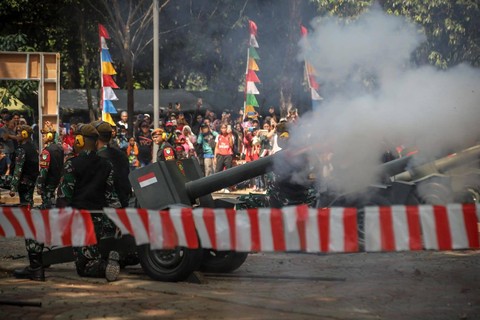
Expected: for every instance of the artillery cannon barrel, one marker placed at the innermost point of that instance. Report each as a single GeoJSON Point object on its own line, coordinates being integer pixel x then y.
{"type": "Point", "coordinates": [203, 186]}
{"type": "Point", "coordinates": [395, 167]}
{"type": "Point", "coordinates": [441, 165]}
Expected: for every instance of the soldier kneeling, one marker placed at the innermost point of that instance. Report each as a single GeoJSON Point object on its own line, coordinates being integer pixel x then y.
{"type": "Point", "coordinates": [87, 183]}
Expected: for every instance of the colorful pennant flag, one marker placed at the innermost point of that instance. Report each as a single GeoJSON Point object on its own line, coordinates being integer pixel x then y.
{"type": "Point", "coordinates": [252, 88]}
{"type": "Point", "coordinates": [251, 100]}
{"type": "Point", "coordinates": [310, 76]}
{"type": "Point", "coordinates": [252, 53]}
{"type": "Point", "coordinates": [107, 82]}
{"type": "Point", "coordinates": [250, 76]}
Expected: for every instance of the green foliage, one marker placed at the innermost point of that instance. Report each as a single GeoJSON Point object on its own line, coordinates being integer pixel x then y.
{"type": "Point", "coordinates": [15, 42]}
{"type": "Point", "coordinates": [19, 89]}
{"type": "Point", "coordinates": [345, 9]}
{"type": "Point", "coordinates": [203, 43]}
{"type": "Point", "coordinates": [452, 27]}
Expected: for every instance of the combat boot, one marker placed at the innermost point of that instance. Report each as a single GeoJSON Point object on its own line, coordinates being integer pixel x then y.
{"type": "Point", "coordinates": [34, 271]}
{"type": "Point", "coordinates": [112, 270]}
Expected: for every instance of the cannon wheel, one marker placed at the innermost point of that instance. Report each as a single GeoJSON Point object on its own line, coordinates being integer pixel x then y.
{"type": "Point", "coordinates": [222, 261]}
{"type": "Point", "coordinates": [169, 265]}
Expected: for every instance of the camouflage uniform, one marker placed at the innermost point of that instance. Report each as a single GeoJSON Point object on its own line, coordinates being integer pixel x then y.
{"type": "Point", "coordinates": [51, 166]}
{"type": "Point", "coordinates": [24, 184]}
{"type": "Point", "coordinates": [88, 260]}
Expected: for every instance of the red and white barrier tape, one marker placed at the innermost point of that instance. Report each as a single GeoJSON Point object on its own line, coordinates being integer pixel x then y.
{"type": "Point", "coordinates": [400, 228]}
{"type": "Point", "coordinates": [54, 227]}
{"type": "Point", "coordinates": [299, 228]}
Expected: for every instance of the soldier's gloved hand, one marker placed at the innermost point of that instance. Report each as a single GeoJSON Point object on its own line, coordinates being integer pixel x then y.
{"type": "Point", "coordinates": [12, 194]}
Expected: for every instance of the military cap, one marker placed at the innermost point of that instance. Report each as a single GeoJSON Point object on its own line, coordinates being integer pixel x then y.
{"type": "Point", "coordinates": [102, 126]}
{"type": "Point", "coordinates": [87, 130]}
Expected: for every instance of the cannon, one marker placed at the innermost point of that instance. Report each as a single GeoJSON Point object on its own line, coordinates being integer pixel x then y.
{"type": "Point", "coordinates": [180, 183]}
{"type": "Point", "coordinates": [453, 178]}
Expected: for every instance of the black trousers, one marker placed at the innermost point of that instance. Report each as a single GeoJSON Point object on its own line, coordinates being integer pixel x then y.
{"type": "Point", "coordinates": [223, 162]}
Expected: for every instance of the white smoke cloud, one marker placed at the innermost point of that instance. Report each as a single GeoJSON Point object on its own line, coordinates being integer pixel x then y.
{"type": "Point", "coordinates": [434, 110]}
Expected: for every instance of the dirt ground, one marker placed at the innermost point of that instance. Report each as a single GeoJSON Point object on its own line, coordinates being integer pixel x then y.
{"type": "Point", "coordinates": [408, 285]}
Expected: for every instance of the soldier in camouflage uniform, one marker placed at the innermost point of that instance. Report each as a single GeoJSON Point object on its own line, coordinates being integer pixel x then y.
{"type": "Point", "coordinates": [51, 166]}
{"type": "Point", "coordinates": [87, 183]}
{"type": "Point", "coordinates": [26, 167]}
{"type": "Point", "coordinates": [118, 159]}
{"type": "Point", "coordinates": [23, 182]}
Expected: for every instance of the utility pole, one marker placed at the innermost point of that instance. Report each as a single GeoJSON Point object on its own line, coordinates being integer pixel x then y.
{"type": "Point", "coordinates": [156, 77]}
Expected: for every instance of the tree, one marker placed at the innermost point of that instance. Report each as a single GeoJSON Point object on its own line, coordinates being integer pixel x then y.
{"type": "Point", "coordinates": [452, 27]}
{"type": "Point", "coordinates": [19, 89]}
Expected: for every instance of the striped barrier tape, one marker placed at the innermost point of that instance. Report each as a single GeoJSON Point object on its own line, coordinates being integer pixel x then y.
{"type": "Point", "coordinates": [399, 228]}
{"type": "Point", "coordinates": [53, 227]}
{"type": "Point", "coordinates": [298, 228]}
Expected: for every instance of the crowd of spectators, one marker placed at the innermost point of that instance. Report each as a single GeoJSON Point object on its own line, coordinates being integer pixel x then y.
{"type": "Point", "coordinates": [218, 140]}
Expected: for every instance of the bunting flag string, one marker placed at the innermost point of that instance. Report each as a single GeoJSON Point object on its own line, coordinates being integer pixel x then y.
{"type": "Point", "coordinates": [310, 76]}
{"type": "Point", "coordinates": [107, 82]}
{"type": "Point", "coordinates": [251, 77]}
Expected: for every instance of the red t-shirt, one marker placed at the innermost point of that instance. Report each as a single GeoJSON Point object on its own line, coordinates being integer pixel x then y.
{"type": "Point", "coordinates": [223, 145]}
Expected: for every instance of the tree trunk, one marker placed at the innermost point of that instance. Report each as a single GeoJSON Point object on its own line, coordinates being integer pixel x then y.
{"type": "Point", "coordinates": [130, 100]}
{"type": "Point", "coordinates": [86, 69]}
{"type": "Point", "coordinates": [128, 61]}
{"type": "Point", "coordinates": [289, 69]}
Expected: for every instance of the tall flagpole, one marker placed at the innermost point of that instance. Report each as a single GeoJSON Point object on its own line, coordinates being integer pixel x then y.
{"type": "Point", "coordinates": [100, 104]}
{"type": "Point", "coordinates": [246, 84]}
{"type": "Point", "coordinates": [156, 77]}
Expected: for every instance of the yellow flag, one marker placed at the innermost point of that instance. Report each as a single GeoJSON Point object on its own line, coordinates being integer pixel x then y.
{"type": "Point", "coordinates": [107, 68]}
{"type": "Point", "coordinates": [252, 64]}
{"type": "Point", "coordinates": [249, 111]}
{"type": "Point", "coordinates": [107, 117]}
{"type": "Point", "coordinates": [310, 69]}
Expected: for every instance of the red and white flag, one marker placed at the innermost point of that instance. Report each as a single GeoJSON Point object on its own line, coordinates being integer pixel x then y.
{"type": "Point", "coordinates": [147, 180]}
